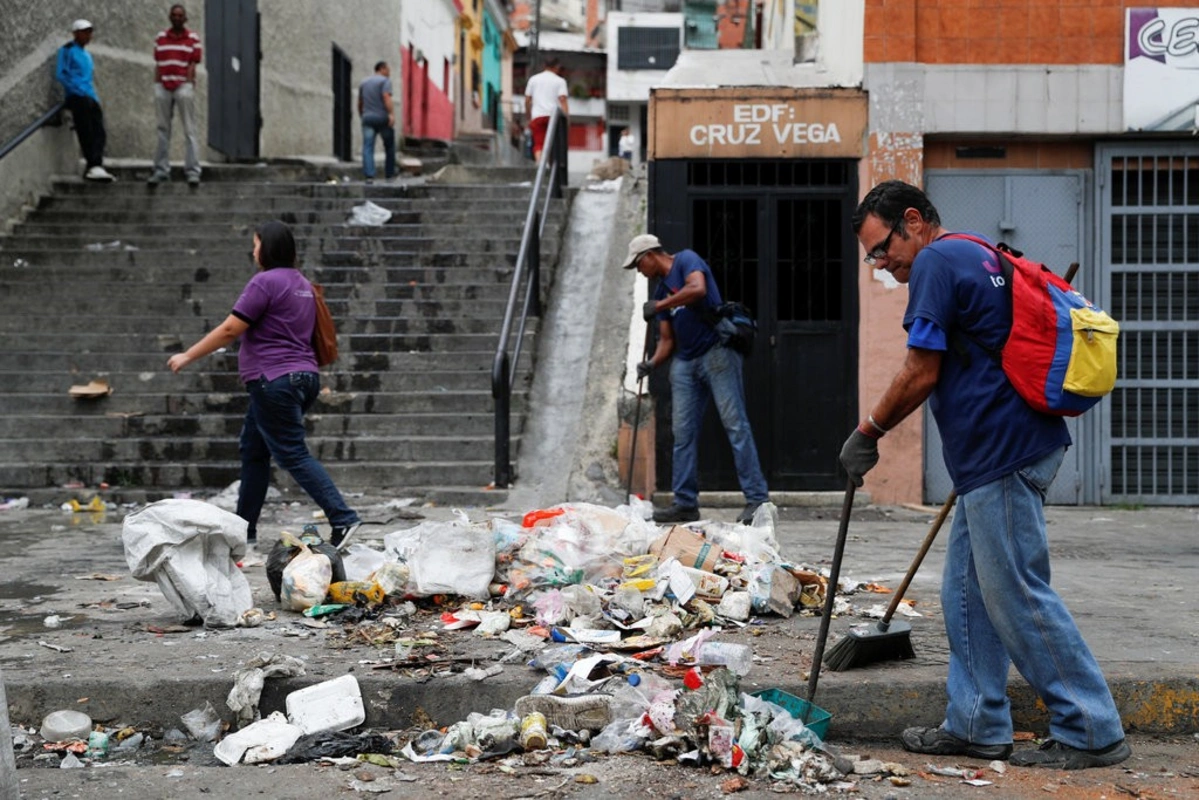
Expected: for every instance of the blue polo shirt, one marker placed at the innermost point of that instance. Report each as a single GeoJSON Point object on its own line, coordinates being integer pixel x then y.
{"type": "Point", "coordinates": [955, 304]}
{"type": "Point", "coordinates": [692, 335]}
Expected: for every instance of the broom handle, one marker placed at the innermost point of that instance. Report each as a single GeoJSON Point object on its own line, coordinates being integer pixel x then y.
{"type": "Point", "coordinates": [1071, 271]}
{"type": "Point", "coordinates": [830, 593]}
{"type": "Point", "coordinates": [885, 623]}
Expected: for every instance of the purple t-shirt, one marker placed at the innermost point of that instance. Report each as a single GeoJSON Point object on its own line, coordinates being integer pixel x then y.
{"type": "Point", "coordinates": [280, 309]}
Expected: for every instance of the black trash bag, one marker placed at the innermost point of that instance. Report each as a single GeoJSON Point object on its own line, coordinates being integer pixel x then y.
{"type": "Point", "coordinates": [282, 554]}
{"type": "Point", "coordinates": [335, 744]}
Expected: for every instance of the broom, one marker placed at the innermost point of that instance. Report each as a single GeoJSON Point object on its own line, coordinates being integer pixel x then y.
{"type": "Point", "coordinates": [885, 641]}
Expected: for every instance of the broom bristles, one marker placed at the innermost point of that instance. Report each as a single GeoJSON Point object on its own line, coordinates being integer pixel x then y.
{"type": "Point", "coordinates": [863, 646]}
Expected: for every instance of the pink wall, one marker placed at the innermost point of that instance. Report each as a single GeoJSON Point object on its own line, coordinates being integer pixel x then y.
{"type": "Point", "coordinates": [428, 112]}
{"type": "Point", "coordinates": [883, 341]}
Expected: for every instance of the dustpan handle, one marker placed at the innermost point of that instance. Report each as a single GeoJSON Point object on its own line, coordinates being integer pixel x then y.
{"type": "Point", "coordinates": [830, 594]}
{"type": "Point", "coordinates": [918, 560]}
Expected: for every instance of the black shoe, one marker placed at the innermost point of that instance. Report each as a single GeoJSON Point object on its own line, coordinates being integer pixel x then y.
{"type": "Point", "coordinates": [940, 742]}
{"type": "Point", "coordinates": [676, 514]}
{"type": "Point", "coordinates": [746, 517]}
{"type": "Point", "coordinates": [1056, 755]}
{"type": "Point", "coordinates": [340, 536]}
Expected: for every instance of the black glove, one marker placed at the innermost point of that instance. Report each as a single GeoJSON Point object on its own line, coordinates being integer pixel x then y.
{"type": "Point", "coordinates": [643, 369]}
{"type": "Point", "coordinates": [859, 454]}
{"type": "Point", "coordinates": [649, 310]}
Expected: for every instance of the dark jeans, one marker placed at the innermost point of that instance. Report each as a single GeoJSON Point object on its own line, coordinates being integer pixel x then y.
{"type": "Point", "coordinates": [274, 427]}
{"type": "Point", "coordinates": [89, 127]}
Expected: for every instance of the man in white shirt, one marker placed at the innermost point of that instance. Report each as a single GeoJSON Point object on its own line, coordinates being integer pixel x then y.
{"type": "Point", "coordinates": [543, 91]}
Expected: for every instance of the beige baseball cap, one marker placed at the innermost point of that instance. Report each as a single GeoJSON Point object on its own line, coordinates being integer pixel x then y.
{"type": "Point", "coordinates": [641, 244]}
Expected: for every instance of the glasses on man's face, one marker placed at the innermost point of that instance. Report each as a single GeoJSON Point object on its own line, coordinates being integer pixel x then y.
{"type": "Point", "coordinates": [872, 258]}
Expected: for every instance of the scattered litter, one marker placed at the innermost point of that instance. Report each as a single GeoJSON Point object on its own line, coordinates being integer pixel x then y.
{"type": "Point", "coordinates": [52, 621]}
{"type": "Point", "coordinates": [368, 213]}
{"type": "Point", "coordinates": [91, 390]}
{"type": "Point", "coordinates": [61, 726]}
{"type": "Point", "coordinates": [249, 681]}
{"type": "Point", "coordinates": [333, 705]}
{"type": "Point", "coordinates": [202, 723]}
{"type": "Point", "coordinates": [14, 503]}
{"type": "Point", "coordinates": [264, 740]}
{"type": "Point", "coordinates": [99, 247]}
{"type": "Point", "coordinates": [98, 576]}
{"type": "Point", "coordinates": [75, 507]}
{"type": "Point", "coordinates": [55, 647]}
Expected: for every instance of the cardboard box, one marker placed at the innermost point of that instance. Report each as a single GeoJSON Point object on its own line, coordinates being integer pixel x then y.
{"type": "Point", "coordinates": [690, 548]}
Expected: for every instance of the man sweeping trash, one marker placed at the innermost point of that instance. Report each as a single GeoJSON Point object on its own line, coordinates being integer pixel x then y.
{"type": "Point", "coordinates": [703, 369]}
{"type": "Point", "coordinates": [1002, 456]}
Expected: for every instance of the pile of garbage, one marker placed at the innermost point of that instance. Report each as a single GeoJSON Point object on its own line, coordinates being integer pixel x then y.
{"type": "Point", "coordinates": [620, 619]}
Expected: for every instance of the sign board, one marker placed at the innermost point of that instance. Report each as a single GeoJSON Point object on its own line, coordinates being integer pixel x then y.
{"type": "Point", "coordinates": [1161, 69]}
{"type": "Point", "coordinates": [757, 122]}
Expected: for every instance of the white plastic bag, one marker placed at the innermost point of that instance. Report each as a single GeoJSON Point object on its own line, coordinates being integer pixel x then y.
{"type": "Point", "coordinates": [455, 558]}
{"type": "Point", "coordinates": [367, 213]}
{"type": "Point", "coordinates": [189, 547]}
{"type": "Point", "coordinates": [306, 579]}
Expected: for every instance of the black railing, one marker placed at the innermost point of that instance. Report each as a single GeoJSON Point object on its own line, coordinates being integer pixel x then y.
{"type": "Point", "coordinates": [49, 118]}
{"type": "Point", "coordinates": [551, 174]}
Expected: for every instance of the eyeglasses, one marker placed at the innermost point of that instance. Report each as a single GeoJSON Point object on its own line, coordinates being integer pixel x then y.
{"type": "Point", "coordinates": [874, 255]}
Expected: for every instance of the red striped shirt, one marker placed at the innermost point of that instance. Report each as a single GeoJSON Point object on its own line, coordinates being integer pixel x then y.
{"type": "Point", "coordinates": [174, 54]}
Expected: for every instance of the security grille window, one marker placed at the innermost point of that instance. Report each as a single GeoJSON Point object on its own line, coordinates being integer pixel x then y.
{"type": "Point", "coordinates": [767, 173]}
{"type": "Point", "coordinates": [727, 238]}
{"type": "Point", "coordinates": [647, 48]}
{"type": "Point", "coordinates": [618, 113]}
{"type": "Point", "coordinates": [1154, 207]}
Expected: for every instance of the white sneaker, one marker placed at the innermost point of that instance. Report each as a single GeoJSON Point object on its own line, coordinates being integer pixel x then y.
{"type": "Point", "coordinates": [99, 174]}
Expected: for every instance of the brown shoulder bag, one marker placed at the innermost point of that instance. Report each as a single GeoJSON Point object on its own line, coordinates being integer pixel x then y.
{"type": "Point", "coordinates": [324, 333]}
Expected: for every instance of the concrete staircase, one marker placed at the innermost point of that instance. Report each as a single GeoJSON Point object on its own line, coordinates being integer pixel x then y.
{"type": "Point", "coordinates": [106, 281]}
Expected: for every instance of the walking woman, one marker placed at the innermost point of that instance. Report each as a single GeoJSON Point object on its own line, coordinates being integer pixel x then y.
{"type": "Point", "coordinates": [276, 314]}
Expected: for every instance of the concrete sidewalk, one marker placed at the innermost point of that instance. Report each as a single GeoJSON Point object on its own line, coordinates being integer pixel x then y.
{"type": "Point", "coordinates": [1129, 577]}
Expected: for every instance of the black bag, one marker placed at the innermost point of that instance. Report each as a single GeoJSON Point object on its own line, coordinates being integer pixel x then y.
{"type": "Point", "coordinates": [735, 324]}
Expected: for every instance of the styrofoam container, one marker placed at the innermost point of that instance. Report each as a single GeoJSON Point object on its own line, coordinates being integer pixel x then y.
{"type": "Point", "coordinates": [333, 705]}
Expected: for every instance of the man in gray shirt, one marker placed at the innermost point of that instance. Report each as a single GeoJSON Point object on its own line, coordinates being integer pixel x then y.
{"type": "Point", "coordinates": [378, 119]}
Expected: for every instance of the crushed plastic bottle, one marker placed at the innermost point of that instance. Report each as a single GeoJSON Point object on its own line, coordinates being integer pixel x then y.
{"type": "Point", "coordinates": [532, 732]}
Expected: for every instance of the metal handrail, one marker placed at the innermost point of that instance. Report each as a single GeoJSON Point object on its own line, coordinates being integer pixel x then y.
{"type": "Point", "coordinates": [33, 128]}
{"type": "Point", "coordinates": [553, 161]}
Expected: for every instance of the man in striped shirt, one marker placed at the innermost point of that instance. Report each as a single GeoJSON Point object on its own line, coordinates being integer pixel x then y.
{"type": "Point", "coordinates": [176, 54]}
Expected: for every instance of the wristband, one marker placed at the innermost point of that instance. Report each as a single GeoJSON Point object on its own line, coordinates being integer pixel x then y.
{"type": "Point", "coordinates": [881, 430]}
{"type": "Point", "coordinates": [867, 430]}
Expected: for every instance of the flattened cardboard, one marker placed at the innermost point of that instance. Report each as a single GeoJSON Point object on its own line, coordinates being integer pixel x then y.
{"type": "Point", "coordinates": [92, 390]}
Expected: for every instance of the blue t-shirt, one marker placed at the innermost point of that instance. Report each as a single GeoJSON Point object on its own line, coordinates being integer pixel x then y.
{"type": "Point", "coordinates": [692, 335]}
{"type": "Point", "coordinates": [280, 308]}
{"type": "Point", "coordinates": [987, 430]}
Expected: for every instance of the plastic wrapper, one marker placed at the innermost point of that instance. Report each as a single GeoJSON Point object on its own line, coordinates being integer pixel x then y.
{"type": "Point", "coordinates": [456, 558]}
{"type": "Point", "coordinates": [368, 213]}
{"type": "Point", "coordinates": [360, 562]}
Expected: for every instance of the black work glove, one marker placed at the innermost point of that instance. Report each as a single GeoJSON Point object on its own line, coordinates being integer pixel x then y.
{"type": "Point", "coordinates": [859, 454]}
{"type": "Point", "coordinates": [643, 369]}
{"type": "Point", "coordinates": [649, 310]}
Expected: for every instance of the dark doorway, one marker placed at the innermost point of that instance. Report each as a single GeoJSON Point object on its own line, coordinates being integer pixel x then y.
{"type": "Point", "coordinates": [231, 31]}
{"type": "Point", "coordinates": [343, 111]}
{"type": "Point", "coordinates": [777, 237]}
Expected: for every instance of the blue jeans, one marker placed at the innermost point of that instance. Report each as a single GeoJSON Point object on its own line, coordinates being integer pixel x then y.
{"type": "Point", "coordinates": [1000, 609]}
{"type": "Point", "coordinates": [715, 374]}
{"type": "Point", "coordinates": [274, 427]}
{"type": "Point", "coordinates": [373, 126]}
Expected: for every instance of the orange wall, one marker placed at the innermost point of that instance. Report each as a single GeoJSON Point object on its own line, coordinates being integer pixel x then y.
{"type": "Point", "coordinates": [1000, 31]}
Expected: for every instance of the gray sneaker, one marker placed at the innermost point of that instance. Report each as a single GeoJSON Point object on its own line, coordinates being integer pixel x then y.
{"type": "Point", "coordinates": [157, 178]}
{"type": "Point", "coordinates": [1055, 755]}
{"type": "Point", "coordinates": [585, 711]}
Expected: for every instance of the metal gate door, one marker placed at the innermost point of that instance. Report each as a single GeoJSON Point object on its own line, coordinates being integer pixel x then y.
{"type": "Point", "coordinates": [1043, 214]}
{"type": "Point", "coordinates": [1149, 222]}
{"type": "Point", "coordinates": [231, 36]}
{"type": "Point", "coordinates": [343, 113]}
{"type": "Point", "coordinates": [777, 237]}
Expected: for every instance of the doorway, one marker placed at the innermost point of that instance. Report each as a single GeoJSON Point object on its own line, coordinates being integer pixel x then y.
{"type": "Point", "coordinates": [777, 237]}
{"type": "Point", "coordinates": [231, 31]}
{"type": "Point", "coordinates": [343, 111]}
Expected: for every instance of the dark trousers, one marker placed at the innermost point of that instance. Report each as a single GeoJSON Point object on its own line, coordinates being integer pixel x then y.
{"type": "Point", "coordinates": [89, 127]}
